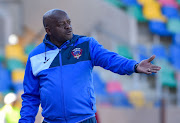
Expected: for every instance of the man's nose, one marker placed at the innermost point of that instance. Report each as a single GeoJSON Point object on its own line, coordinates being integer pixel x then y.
{"type": "Point", "coordinates": [68, 26]}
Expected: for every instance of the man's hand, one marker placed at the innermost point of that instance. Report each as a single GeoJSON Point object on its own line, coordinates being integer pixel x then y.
{"type": "Point", "coordinates": [146, 67]}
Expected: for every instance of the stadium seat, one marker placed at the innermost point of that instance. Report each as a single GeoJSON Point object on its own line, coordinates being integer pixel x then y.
{"type": "Point", "coordinates": [117, 96]}
{"type": "Point", "coordinates": [166, 74]}
{"type": "Point", "coordinates": [160, 52]}
{"type": "Point", "coordinates": [176, 39]}
{"type": "Point", "coordinates": [137, 98]}
{"type": "Point", "coordinates": [170, 12]}
{"type": "Point", "coordinates": [18, 87]}
{"type": "Point", "coordinates": [2, 58]}
{"type": "Point", "coordinates": [178, 1]}
{"type": "Point", "coordinates": [100, 89]}
{"type": "Point", "coordinates": [142, 52]}
{"type": "Point", "coordinates": [5, 80]}
{"type": "Point", "coordinates": [113, 87]}
{"type": "Point", "coordinates": [159, 28]}
{"type": "Point", "coordinates": [120, 100]}
{"type": "Point", "coordinates": [29, 48]}
{"type": "Point", "coordinates": [124, 50]}
{"type": "Point", "coordinates": [15, 51]}
{"type": "Point", "coordinates": [173, 25]}
{"type": "Point", "coordinates": [146, 2]}
{"type": "Point", "coordinates": [13, 64]}
{"type": "Point", "coordinates": [172, 3]}
{"type": "Point", "coordinates": [99, 84]}
{"type": "Point", "coordinates": [130, 2]}
{"type": "Point", "coordinates": [136, 12]}
{"type": "Point", "coordinates": [117, 3]}
{"type": "Point", "coordinates": [17, 75]}
{"type": "Point", "coordinates": [175, 56]}
{"type": "Point", "coordinates": [153, 12]}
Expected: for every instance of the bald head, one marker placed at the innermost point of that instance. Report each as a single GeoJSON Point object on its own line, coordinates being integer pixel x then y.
{"type": "Point", "coordinates": [58, 26]}
{"type": "Point", "coordinates": [50, 15]}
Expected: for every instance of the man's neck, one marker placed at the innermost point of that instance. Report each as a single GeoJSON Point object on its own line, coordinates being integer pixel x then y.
{"type": "Point", "coordinates": [56, 42]}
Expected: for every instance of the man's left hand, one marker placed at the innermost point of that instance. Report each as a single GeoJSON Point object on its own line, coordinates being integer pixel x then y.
{"type": "Point", "coordinates": [146, 67]}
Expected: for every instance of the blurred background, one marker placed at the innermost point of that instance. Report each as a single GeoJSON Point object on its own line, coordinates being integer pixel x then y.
{"type": "Point", "coordinates": [135, 29]}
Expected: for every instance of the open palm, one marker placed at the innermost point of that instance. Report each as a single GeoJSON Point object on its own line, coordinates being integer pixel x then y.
{"type": "Point", "coordinates": [147, 67]}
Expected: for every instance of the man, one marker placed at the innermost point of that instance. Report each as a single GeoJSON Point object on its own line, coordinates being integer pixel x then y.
{"type": "Point", "coordinates": [59, 73]}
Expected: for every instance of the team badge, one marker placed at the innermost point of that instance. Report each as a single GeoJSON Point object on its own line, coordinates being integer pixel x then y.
{"type": "Point", "coordinates": [76, 52]}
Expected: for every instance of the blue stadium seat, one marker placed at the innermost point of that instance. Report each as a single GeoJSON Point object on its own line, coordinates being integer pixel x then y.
{"type": "Point", "coordinates": [170, 12]}
{"type": "Point", "coordinates": [175, 56]}
{"type": "Point", "coordinates": [99, 84]}
{"type": "Point", "coordinates": [159, 28]}
{"type": "Point", "coordinates": [5, 80]}
{"type": "Point", "coordinates": [100, 89]}
{"type": "Point", "coordinates": [160, 51]}
{"type": "Point", "coordinates": [18, 87]}
{"type": "Point", "coordinates": [142, 52]}
{"type": "Point", "coordinates": [176, 39]}
{"type": "Point", "coordinates": [130, 2]}
{"type": "Point", "coordinates": [120, 100]}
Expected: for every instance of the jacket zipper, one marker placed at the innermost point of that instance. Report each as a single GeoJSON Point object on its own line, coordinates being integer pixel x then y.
{"type": "Point", "coordinates": [62, 89]}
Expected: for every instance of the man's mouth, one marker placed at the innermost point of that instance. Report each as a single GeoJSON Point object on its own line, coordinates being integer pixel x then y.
{"type": "Point", "coordinates": [69, 32]}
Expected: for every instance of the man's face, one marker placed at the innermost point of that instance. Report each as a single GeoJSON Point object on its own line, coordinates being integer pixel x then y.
{"type": "Point", "coordinates": [60, 28]}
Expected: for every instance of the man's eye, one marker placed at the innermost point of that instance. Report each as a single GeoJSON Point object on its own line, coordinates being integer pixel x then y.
{"type": "Point", "coordinates": [69, 22]}
{"type": "Point", "coordinates": [61, 25]}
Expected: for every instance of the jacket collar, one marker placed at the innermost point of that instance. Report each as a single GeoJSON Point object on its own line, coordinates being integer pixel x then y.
{"type": "Point", "coordinates": [49, 44]}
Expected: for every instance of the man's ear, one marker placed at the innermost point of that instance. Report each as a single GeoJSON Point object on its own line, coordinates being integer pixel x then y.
{"type": "Point", "coordinates": [48, 31]}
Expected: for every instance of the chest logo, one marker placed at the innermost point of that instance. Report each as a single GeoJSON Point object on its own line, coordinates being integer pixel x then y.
{"type": "Point", "coordinates": [76, 52]}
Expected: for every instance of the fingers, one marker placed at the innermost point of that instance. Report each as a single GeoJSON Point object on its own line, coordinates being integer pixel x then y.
{"type": "Point", "coordinates": [154, 70]}
{"type": "Point", "coordinates": [151, 58]}
{"type": "Point", "coordinates": [155, 67]}
{"type": "Point", "coordinates": [148, 71]}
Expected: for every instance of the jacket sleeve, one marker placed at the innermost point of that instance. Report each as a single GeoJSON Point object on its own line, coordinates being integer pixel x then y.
{"type": "Point", "coordinates": [110, 60]}
{"type": "Point", "coordinates": [31, 96]}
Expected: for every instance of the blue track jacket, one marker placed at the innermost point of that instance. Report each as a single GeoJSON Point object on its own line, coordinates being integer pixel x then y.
{"type": "Point", "coordinates": [61, 79]}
